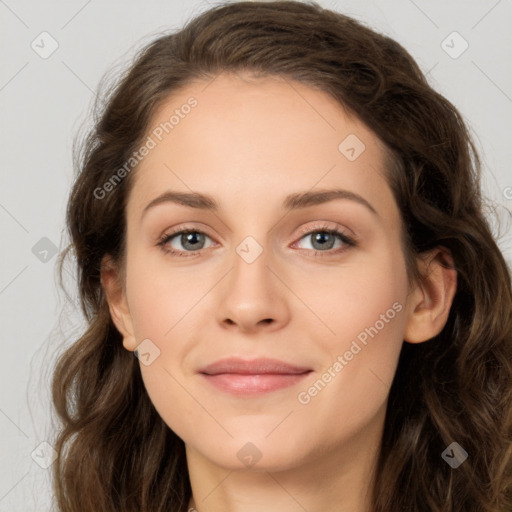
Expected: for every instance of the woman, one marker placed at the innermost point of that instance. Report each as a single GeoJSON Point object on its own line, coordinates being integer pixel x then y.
{"type": "Point", "coordinates": [282, 221]}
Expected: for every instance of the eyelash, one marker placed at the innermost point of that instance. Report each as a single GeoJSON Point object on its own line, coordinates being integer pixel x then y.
{"type": "Point", "coordinates": [348, 241]}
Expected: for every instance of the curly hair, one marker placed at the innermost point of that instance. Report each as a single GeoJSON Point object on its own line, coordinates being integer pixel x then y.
{"type": "Point", "coordinates": [115, 453]}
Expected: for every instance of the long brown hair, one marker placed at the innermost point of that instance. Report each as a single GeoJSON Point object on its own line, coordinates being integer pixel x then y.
{"type": "Point", "coordinates": [115, 453]}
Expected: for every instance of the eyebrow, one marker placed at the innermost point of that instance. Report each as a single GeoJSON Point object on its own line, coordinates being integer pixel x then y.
{"type": "Point", "coordinates": [294, 201]}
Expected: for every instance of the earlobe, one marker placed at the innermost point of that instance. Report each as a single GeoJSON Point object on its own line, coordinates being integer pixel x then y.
{"type": "Point", "coordinates": [111, 281]}
{"type": "Point", "coordinates": [430, 303]}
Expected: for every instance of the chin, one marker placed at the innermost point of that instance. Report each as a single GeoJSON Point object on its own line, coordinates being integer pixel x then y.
{"type": "Point", "coordinates": [253, 453]}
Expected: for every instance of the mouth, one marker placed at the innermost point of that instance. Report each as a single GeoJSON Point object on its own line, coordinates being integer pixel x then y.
{"type": "Point", "coordinates": [244, 377]}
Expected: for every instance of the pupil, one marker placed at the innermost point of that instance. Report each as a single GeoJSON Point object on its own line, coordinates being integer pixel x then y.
{"type": "Point", "coordinates": [189, 237]}
{"type": "Point", "coordinates": [320, 237]}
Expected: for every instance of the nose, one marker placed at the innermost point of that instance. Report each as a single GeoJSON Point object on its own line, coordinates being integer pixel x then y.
{"type": "Point", "coordinates": [253, 296]}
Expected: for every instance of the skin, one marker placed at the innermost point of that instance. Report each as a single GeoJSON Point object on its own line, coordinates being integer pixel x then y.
{"type": "Point", "coordinates": [249, 143]}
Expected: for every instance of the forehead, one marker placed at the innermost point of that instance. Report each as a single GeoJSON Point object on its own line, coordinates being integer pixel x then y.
{"type": "Point", "coordinates": [255, 140]}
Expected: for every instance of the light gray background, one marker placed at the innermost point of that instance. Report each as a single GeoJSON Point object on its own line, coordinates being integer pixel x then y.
{"type": "Point", "coordinates": [44, 101]}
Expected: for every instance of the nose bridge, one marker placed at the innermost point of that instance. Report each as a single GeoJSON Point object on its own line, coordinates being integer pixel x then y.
{"type": "Point", "coordinates": [251, 262]}
{"type": "Point", "coordinates": [251, 234]}
{"type": "Point", "coordinates": [252, 238]}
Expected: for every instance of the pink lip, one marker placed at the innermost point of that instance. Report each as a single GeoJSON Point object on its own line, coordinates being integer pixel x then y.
{"type": "Point", "coordinates": [239, 384]}
{"type": "Point", "coordinates": [242, 377]}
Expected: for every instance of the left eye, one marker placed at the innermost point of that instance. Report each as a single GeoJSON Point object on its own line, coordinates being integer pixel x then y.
{"type": "Point", "coordinates": [326, 238]}
{"type": "Point", "coordinates": [189, 239]}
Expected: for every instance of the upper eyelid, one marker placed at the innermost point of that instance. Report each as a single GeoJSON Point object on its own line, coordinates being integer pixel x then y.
{"type": "Point", "coordinates": [327, 225]}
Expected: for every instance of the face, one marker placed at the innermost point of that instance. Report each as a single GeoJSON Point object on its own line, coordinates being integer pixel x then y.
{"type": "Point", "coordinates": [274, 270]}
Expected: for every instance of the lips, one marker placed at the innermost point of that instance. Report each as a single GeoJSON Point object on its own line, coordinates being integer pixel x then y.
{"type": "Point", "coordinates": [253, 367]}
{"type": "Point", "coordinates": [255, 377]}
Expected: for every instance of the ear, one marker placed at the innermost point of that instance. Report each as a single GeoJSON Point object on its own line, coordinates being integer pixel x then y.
{"type": "Point", "coordinates": [112, 282]}
{"type": "Point", "coordinates": [429, 304]}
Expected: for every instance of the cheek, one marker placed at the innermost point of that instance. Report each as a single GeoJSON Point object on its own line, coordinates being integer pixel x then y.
{"type": "Point", "coordinates": [364, 311]}
{"type": "Point", "coordinates": [162, 311]}
{"type": "Point", "coordinates": [351, 300]}
{"type": "Point", "coordinates": [159, 299]}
